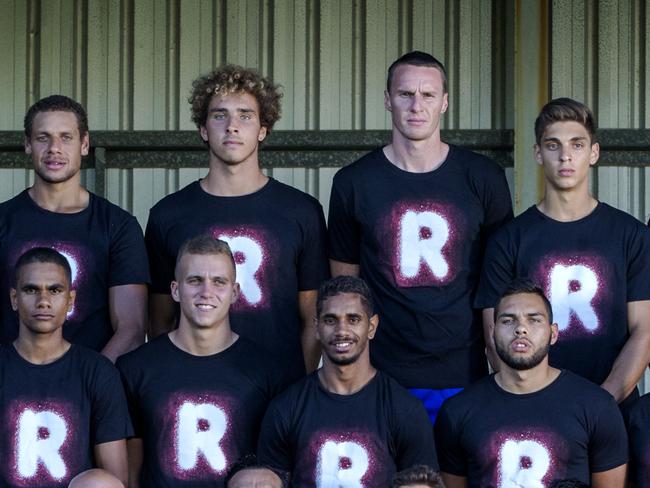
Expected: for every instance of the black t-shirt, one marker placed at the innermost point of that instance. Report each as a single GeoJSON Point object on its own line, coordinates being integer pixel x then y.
{"type": "Point", "coordinates": [419, 239]}
{"type": "Point", "coordinates": [362, 439]}
{"type": "Point", "coordinates": [54, 414]}
{"type": "Point", "coordinates": [638, 428]}
{"type": "Point", "coordinates": [569, 429]}
{"type": "Point", "coordinates": [590, 269]}
{"type": "Point", "coordinates": [197, 415]}
{"type": "Point", "coordinates": [277, 236]}
{"type": "Point", "coordinates": [103, 245]}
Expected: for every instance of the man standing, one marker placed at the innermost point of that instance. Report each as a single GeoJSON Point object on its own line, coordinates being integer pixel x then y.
{"type": "Point", "coordinates": [62, 405]}
{"type": "Point", "coordinates": [592, 260]}
{"type": "Point", "coordinates": [102, 242]}
{"type": "Point", "coordinates": [276, 233]}
{"type": "Point", "coordinates": [197, 395]}
{"type": "Point", "coordinates": [347, 424]}
{"type": "Point", "coordinates": [411, 219]}
{"type": "Point", "coordinates": [530, 424]}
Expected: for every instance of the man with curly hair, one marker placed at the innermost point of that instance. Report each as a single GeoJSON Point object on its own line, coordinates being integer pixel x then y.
{"type": "Point", "coordinates": [276, 232]}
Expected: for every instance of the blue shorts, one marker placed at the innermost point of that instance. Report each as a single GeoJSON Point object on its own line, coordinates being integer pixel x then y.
{"type": "Point", "coordinates": [432, 399]}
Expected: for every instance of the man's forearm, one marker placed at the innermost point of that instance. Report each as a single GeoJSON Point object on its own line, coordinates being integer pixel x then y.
{"type": "Point", "coordinates": [628, 367]}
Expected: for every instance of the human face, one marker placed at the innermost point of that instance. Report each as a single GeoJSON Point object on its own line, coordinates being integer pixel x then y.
{"type": "Point", "coordinates": [42, 298]}
{"type": "Point", "coordinates": [233, 130]}
{"type": "Point", "coordinates": [416, 101]}
{"type": "Point", "coordinates": [566, 154]}
{"type": "Point", "coordinates": [344, 328]}
{"type": "Point", "coordinates": [255, 478]}
{"type": "Point", "coordinates": [522, 332]}
{"type": "Point", "coordinates": [56, 147]}
{"type": "Point", "coordinates": [205, 287]}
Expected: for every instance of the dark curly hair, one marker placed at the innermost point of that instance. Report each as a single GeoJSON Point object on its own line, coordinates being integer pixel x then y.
{"type": "Point", "coordinates": [345, 284]}
{"type": "Point", "coordinates": [235, 79]}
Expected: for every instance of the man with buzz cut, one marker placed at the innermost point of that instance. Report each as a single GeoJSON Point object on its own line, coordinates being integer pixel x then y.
{"type": "Point", "coordinates": [347, 424]}
{"type": "Point", "coordinates": [62, 405]}
{"type": "Point", "coordinates": [412, 219]}
{"type": "Point", "coordinates": [530, 424]}
{"type": "Point", "coordinates": [102, 242]}
{"type": "Point", "coordinates": [276, 233]}
{"type": "Point", "coordinates": [592, 260]}
{"type": "Point", "coordinates": [197, 394]}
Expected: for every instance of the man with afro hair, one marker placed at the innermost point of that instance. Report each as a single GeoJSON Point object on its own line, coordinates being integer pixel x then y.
{"type": "Point", "coordinates": [276, 233]}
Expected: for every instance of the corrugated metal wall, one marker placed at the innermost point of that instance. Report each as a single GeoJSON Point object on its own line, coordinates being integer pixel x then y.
{"type": "Point", "coordinates": [600, 54]}
{"type": "Point", "coordinates": [131, 63]}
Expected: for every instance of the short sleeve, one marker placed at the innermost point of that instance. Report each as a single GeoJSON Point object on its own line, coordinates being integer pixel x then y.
{"type": "Point", "coordinates": [414, 440]}
{"type": "Point", "coordinates": [497, 202]}
{"type": "Point", "coordinates": [638, 268]}
{"type": "Point", "coordinates": [110, 417]}
{"type": "Point", "coordinates": [343, 228]}
{"type": "Point", "coordinates": [274, 446]}
{"type": "Point", "coordinates": [608, 447]}
{"type": "Point", "coordinates": [313, 268]}
{"type": "Point", "coordinates": [160, 263]}
{"type": "Point", "coordinates": [497, 272]}
{"type": "Point", "coordinates": [130, 390]}
{"type": "Point", "coordinates": [451, 456]}
{"type": "Point", "coordinates": [128, 256]}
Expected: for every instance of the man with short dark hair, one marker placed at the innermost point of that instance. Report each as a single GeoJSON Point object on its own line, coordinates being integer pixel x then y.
{"type": "Point", "coordinates": [592, 260]}
{"type": "Point", "coordinates": [62, 405]}
{"type": "Point", "coordinates": [417, 477]}
{"type": "Point", "coordinates": [530, 424]}
{"type": "Point", "coordinates": [347, 424]}
{"type": "Point", "coordinates": [197, 394]}
{"type": "Point", "coordinates": [411, 219]}
{"type": "Point", "coordinates": [103, 243]}
{"type": "Point", "coordinates": [276, 232]}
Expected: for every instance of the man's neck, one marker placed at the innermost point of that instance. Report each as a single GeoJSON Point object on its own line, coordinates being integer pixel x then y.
{"type": "Point", "coordinates": [203, 341]}
{"type": "Point", "coordinates": [567, 206]}
{"type": "Point", "coordinates": [237, 180]}
{"type": "Point", "coordinates": [416, 156]}
{"type": "Point", "coordinates": [41, 348]}
{"type": "Point", "coordinates": [64, 197]}
{"type": "Point", "coordinates": [348, 379]}
{"type": "Point", "coordinates": [526, 381]}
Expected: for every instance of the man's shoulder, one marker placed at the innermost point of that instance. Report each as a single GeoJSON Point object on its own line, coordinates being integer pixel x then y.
{"type": "Point", "coordinates": [13, 202]}
{"type": "Point", "coordinates": [285, 194]}
{"type": "Point", "coordinates": [583, 391]}
{"type": "Point", "coordinates": [90, 362]}
{"type": "Point", "coordinates": [361, 167]}
{"type": "Point", "coordinates": [623, 218]}
{"type": "Point", "coordinates": [113, 212]}
{"type": "Point", "coordinates": [476, 164]}
{"type": "Point", "coordinates": [175, 201]}
{"type": "Point", "coordinates": [147, 355]}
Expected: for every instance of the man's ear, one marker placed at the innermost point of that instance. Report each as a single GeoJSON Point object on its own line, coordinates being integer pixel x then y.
{"type": "Point", "coordinates": [374, 323]}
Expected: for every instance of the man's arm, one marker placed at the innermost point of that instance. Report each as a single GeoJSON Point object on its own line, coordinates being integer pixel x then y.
{"type": "Point", "coordinates": [453, 481]}
{"type": "Point", "coordinates": [310, 346]}
{"type": "Point", "coordinates": [635, 355]}
{"type": "Point", "coordinates": [488, 334]}
{"type": "Point", "coordinates": [136, 457]}
{"type": "Point", "coordinates": [162, 314]}
{"type": "Point", "coordinates": [127, 306]}
{"type": "Point", "coordinates": [112, 457]}
{"type": "Point", "coordinates": [612, 478]}
{"type": "Point", "coordinates": [339, 268]}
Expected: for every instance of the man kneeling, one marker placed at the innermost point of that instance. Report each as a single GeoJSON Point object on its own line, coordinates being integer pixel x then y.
{"type": "Point", "coordinates": [530, 424]}
{"type": "Point", "coordinates": [62, 405]}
